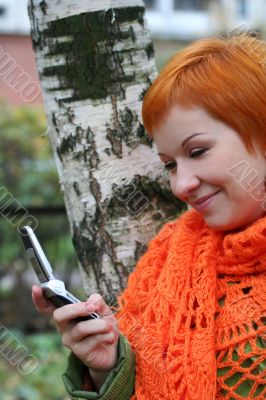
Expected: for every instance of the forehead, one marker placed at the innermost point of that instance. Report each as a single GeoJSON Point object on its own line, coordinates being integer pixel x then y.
{"type": "Point", "coordinates": [180, 122]}
{"type": "Point", "coordinates": [184, 117]}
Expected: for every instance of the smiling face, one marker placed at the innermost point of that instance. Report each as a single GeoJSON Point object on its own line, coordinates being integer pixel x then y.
{"type": "Point", "coordinates": [206, 157]}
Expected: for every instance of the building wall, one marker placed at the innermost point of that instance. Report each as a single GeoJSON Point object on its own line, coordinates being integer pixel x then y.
{"type": "Point", "coordinates": [19, 83]}
{"type": "Point", "coordinates": [188, 23]}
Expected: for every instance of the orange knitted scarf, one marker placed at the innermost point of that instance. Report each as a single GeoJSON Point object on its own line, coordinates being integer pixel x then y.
{"type": "Point", "coordinates": [194, 312]}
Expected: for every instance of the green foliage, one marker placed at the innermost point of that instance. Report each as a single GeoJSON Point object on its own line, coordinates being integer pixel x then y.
{"type": "Point", "coordinates": [27, 168]}
{"type": "Point", "coordinates": [45, 382]}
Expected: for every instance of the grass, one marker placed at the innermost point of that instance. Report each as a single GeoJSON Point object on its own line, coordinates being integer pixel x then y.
{"type": "Point", "coordinates": [45, 381]}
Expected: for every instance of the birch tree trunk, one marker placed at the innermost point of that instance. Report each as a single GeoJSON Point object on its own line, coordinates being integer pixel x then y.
{"type": "Point", "coordinates": [95, 62]}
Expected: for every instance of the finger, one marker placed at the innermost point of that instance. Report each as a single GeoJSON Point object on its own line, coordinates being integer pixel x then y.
{"type": "Point", "coordinates": [70, 312]}
{"type": "Point", "coordinates": [41, 303]}
{"type": "Point", "coordinates": [91, 343]}
{"type": "Point", "coordinates": [87, 328]}
{"type": "Point", "coordinates": [98, 304]}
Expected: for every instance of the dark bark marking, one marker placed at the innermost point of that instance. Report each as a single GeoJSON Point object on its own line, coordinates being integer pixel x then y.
{"type": "Point", "coordinates": [43, 7]}
{"type": "Point", "coordinates": [91, 71]}
{"type": "Point", "coordinates": [95, 189]}
{"type": "Point", "coordinates": [76, 188]}
{"type": "Point", "coordinates": [67, 146]}
{"type": "Point", "coordinates": [148, 84]}
{"type": "Point", "coordinates": [54, 120]}
{"type": "Point", "coordinates": [140, 249]}
{"type": "Point", "coordinates": [142, 135]}
{"type": "Point", "coordinates": [36, 35]}
{"type": "Point", "coordinates": [149, 50]}
{"type": "Point", "coordinates": [107, 151]}
{"type": "Point", "coordinates": [54, 123]}
{"type": "Point", "coordinates": [88, 153]}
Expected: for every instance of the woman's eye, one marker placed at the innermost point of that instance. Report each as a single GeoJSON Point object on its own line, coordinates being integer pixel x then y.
{"type": "Point", "coordinates": [197, 153]}
{"type": "Point", "coordinates": [170, 165]}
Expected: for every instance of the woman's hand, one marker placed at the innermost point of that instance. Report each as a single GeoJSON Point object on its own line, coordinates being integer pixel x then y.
{"type": "Point", "coordinates": [93, 341]}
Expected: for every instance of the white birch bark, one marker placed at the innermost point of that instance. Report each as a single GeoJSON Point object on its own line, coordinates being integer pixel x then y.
{"type": "Point", "coordinates": [95, 60]}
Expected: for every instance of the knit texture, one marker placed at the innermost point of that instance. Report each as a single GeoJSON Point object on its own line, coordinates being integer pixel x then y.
{"type": "Point", "coordinates": [194, 312]}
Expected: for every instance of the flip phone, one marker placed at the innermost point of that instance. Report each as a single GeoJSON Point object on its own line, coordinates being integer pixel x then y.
{"type": "Point", "coordinates": [53, 289]}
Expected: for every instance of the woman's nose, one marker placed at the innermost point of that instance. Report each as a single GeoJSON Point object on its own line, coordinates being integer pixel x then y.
{"type": "Point", "coordinates": [184, 183]}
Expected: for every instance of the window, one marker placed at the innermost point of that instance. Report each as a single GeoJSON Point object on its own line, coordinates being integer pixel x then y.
{"type": "Point", "coordinates": [242, 8]}
{"type": "Point", "coordinates": [198, 5]}
{"type": "Point", "coordinates": [2, 11]}
{"type": "Point", "coordinates": [150, 4]}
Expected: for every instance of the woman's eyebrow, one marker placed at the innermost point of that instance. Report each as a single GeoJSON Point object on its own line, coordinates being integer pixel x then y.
{"type": "Point", "coordinates": [186, 140]}
{"type": "Point", "coordinates": [190, 137]}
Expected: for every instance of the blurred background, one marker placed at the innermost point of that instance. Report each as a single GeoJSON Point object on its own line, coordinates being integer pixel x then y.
{"type": "Point", "coordinates": [28, 177]}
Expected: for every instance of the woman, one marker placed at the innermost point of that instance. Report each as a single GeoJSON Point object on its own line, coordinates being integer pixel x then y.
{"type": "Point", "coordinates": [194, 311]}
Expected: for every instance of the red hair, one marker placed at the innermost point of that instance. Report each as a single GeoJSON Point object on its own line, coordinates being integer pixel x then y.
{"type": "Point", "coordinates": [225, 76]}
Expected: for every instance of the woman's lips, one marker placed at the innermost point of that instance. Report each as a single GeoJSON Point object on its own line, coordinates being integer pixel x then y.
{"type": "Point", "coordinates": [204, 203]}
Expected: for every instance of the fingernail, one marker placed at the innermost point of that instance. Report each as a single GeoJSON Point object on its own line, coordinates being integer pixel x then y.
{"type": "Point", "coordinates": [112, 335]}
{"type": "Point", "coordinates": [89, 307]}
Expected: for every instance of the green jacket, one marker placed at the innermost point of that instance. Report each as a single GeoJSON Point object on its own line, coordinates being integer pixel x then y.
{"type": "Point", "coordinates": [119, 384]}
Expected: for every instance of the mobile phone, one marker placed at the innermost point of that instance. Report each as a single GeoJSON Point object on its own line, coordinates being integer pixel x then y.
{"type": "Point", "coordinates": [53, 289]}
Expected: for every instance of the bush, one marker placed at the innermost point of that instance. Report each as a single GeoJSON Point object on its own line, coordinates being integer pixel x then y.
{"type": "Point", "coordinates": [45, 382]}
